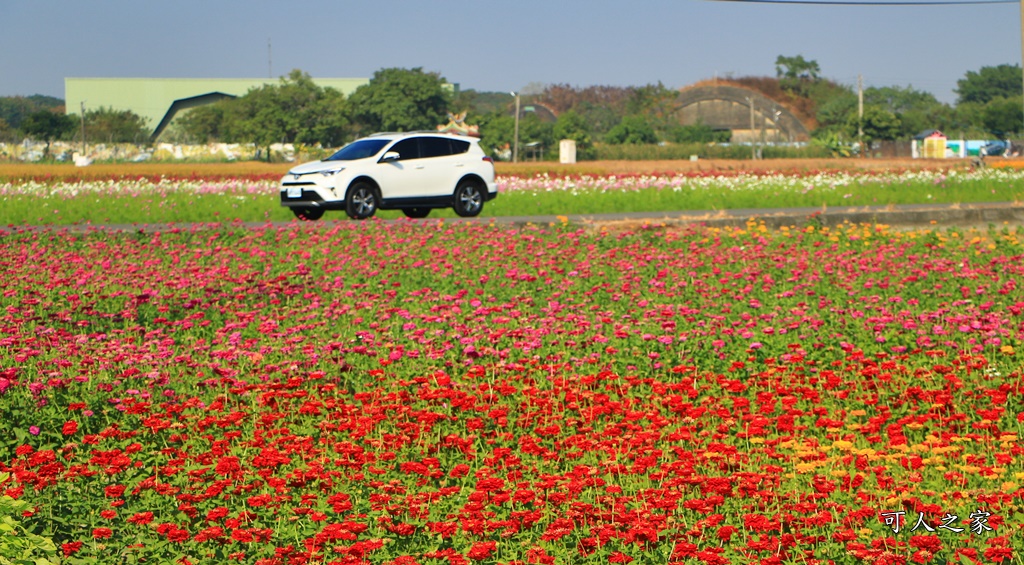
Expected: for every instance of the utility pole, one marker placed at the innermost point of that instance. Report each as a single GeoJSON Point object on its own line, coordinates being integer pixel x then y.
{"type": "Point", "coordinates": [83, 125]}
{"type": "Point", "coordinates": [860, 113]}
{"type": "Point", "coordinates": [753, 149]}
{"type": "Point", "coordinates": [515, 142]}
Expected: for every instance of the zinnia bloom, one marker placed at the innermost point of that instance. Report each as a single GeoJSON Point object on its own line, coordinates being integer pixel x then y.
{"type": "Point", "coordinates": [102, 533]}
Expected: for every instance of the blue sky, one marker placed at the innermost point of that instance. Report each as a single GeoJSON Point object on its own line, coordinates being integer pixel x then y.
{"type": "Point", "coordinates": [499, 46]}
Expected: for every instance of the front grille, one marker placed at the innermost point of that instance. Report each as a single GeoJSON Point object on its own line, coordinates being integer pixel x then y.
{"type": "Point", "coordinates": [307, 196]}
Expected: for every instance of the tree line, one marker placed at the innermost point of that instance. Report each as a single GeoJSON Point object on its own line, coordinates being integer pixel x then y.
{"type": "Point", "coordinates": [296, 110]}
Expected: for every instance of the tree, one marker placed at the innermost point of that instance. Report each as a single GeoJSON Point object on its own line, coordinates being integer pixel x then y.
{"type": "Point", "coordinates": [834, 113]}
{"type": "Point", "coordinates": [115, 126]}
{"type": "Point", "coordinates": [206, 123]}
{"type": "Point", "coordinates": [6, 132]}
{"type": "Point", "coordinates": [633, 130]}
{"type": "Point", "coordinates": [571, 125]}
{"type": "Point", "coordinates": [401, 100]}
{"type": "Point", "coordinates": [916, 109]}
{"type": "Point", "coordinates": [796, 73]}
{"type": "Point", "coordinates": [47, 125]}
{"type": "Point", "coordinates": [14, 109]}
{"type": "Point", "coordinates": [497, 130]}
{"type": "Point", "coordinates": [989, 83]}
{"type": "Point", "coordinates": [697, 133]}
{"type": "Point", "coordinates": [1003, 116]}
{"type": "Point", "coordinates": [294, 110]}
{"type": "Point", "coordinates": [878, 124]}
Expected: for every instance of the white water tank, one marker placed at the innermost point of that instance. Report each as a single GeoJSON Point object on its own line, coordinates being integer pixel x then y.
{"type": "Point", "coordinates": [567, 151]}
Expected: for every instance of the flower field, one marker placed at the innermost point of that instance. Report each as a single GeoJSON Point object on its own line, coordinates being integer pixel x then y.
{"type": "Point", "coordinates": [254, 197]}
{"type": "Point", "coordinates": [409, 393]}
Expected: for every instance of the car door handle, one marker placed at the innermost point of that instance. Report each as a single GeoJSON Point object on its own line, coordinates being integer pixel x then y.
{"type": "Point", "coordinates": [419, 166]}
{"type": "Point", "coordinates": [460, 164]}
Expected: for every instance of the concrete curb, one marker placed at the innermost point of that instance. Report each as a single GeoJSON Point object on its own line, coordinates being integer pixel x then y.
{"type": "Point", "coordinates": [907, 216]}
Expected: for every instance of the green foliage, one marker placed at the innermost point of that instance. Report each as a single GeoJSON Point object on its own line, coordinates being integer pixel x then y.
{"type": "Point", "coordinates": [1003, 116]}
{"type": "Point", "coordinates": [682, 151]}
{"type": "Point", "coordinates": [532, 129]}
{"type": "Point", "coordinates": [401, 100]}
{"type": "Point", "coordinates": [107, 125]}
{"type": "Point", "coordinates": [633, 130]}
{"type": "Point", "coordinates": [481, 103]}
{"type": "Point", "coordinates": [295, 110]}
{"type": "Point", "coordinates": [989, 83]}
{"type": "Point", "coordinates": [47, 125]}
{"type": "Point", "coordinates": [14, 109]}
{"type": "Point", "coordinates": [202, 124]}
{"type": "Point", "coordinates": [497, 131]}
{"type": "Point", "coordinates": [833, 114]}
{"type": "Point", "coordinates": [18, 546]}
{"type": "Point", "coordinates": [697, 133]}
{"type": "Point", "coordinates": [831, 142]}
{"type": "Point", "coordinates": [572, 125]}
{"type": "Point", "coordinates": [7, 133]}
{"type": "Point", "coordinates": [878, 124]}
{"type": "Point", "coordinates": [497, 134]}
{"type": "Point", "coordinates": [916, 109]}
{"type": "Point", "coordinates": [795, 74]}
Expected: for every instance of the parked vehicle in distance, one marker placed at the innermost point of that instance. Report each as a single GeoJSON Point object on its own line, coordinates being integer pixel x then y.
{"type": "Point", "coordinates": [414, 172]}
{"type": "Point", "coordinates": [994, 149]}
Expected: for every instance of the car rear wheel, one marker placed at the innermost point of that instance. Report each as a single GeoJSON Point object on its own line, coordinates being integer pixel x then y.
{"type": "Point", "coordinates": [416, 212]}
{"type": "Point", "coordinates": [308, 214]}
{"type": "Point", "coordinates": [469, 199]}
{"type": "Point", "coordinates": [361, 201]}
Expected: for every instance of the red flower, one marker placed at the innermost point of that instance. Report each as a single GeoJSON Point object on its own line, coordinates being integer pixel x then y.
{"type": "Point", "coordinates": [481, 550]}
{"type": "Point", "coordinates": [725, 533]}
{"type": "Point", "coordinates": [619, 557]}
{"type": "Point", "coordinates": [102, 533]}
{"type": "Point", "coordinates": [70, 427]}
{"type": "Point", "coordinates": [71, 548]}
{"type": "Point", "coordinates": [141, 518]}
{"type": "Point", "coordinates": [114, 491]}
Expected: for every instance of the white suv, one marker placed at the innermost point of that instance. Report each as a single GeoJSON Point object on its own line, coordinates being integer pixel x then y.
{"type": "Point", "coordinates": [413, 172]}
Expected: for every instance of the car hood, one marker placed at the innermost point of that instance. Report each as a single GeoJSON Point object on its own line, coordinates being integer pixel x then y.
{"type": "Point", "coordinates": [318, 166]}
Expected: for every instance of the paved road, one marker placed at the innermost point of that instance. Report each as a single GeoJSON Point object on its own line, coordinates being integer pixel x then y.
{"type": "Point", "coordinates": [904, 216]}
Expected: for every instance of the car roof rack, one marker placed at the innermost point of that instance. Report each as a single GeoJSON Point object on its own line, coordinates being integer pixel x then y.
{"type": "Point", "coordinates": [419, 131]}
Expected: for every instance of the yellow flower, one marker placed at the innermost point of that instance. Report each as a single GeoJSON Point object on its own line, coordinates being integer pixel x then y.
{"type": "Point", "coordinates": [842, 445]}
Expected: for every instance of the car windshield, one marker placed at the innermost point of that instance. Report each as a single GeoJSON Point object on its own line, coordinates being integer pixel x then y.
{"type": "Point", "coordinates": [359, 150]}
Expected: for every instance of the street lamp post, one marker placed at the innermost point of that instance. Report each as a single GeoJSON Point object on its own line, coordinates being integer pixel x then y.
{"type": "Point", "coordinates": [515, 141]}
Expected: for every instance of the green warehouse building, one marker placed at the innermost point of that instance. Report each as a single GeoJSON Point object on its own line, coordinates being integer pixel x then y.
{"type": "Point", "coordinates": [157, 100]}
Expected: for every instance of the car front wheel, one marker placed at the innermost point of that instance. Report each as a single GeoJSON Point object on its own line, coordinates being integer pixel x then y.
{"type": "Point", "coordinates": [308, 214]}
{"type": "Point", "coordinates": [468, 200]}
{"type": "Point", "coordinates": [361, 201]}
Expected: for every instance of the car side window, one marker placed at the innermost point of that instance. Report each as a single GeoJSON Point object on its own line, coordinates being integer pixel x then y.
{"type": "Point", "coordinates": [459, 146]}
{"type": "Point", "coordinates": [435, 147]}
{"type": "Point", "coordinates": [407, 149]}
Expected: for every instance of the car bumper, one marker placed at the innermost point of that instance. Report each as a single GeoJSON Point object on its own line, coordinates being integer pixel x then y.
{"type": "Point", "coordinates": [304, 195]}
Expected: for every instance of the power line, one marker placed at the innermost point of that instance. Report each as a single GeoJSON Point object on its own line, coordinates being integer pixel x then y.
{"type": "Point", "coordinates": [874, 3]}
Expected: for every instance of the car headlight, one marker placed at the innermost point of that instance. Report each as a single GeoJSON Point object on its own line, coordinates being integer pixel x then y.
{"type": "Point", "coordinates": [332, 172]}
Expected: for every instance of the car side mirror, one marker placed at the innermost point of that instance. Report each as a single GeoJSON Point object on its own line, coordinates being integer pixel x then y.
{"type": "Point", "coordinates": [390, 156]}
